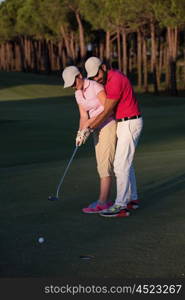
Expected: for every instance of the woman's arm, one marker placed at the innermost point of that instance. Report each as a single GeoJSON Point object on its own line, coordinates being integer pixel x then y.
{"type": "Point", "coordinates": [102, 98]}
{"type": "Point", "coordinates": [83, 117]}
{"type": "Point", "coordinates": [88, 122]}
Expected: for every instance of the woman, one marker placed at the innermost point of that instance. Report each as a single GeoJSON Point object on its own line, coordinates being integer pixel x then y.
{"type": "Point", "coordinates": [90, 97]}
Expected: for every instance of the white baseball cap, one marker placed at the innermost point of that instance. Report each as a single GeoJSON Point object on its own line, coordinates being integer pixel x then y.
{"type": "Point", "coordinates": [69, 74]}
{"type": "Point", "coordinates": [92, 65]}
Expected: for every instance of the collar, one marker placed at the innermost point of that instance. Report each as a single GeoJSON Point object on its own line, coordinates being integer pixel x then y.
{"type": "Point", "coordinates": [110, 74]}
{"type": "Point", "coordinates": [86, 85]}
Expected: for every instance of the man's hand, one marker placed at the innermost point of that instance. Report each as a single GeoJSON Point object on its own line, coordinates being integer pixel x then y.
{"type": "Point", "coordinates": [82, 136]}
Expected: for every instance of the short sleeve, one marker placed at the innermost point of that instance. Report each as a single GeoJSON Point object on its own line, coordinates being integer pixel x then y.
{"type": "Point", "coordinates": [114, 86]}
{"type": "Point", "coordinates": [97, 87]}
{"type": "Point", "coordinates": [79, 96]}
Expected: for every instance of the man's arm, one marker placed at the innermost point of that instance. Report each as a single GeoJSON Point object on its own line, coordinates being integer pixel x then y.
{"type": "Point", "coordinates": [108, 108]}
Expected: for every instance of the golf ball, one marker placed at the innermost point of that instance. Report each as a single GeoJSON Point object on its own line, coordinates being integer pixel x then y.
{"type": "Point", "coordinates": [41, 240]}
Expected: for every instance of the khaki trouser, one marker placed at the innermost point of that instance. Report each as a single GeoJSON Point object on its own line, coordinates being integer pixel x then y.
{"type": "Point", "coordinates": [105, 145]}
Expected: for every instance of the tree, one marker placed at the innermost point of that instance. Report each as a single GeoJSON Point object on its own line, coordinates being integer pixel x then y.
{"type": "Point", "coordinates": [47, 35]}
{"type": "Point", "coordinates": [8, 32]}
{"type": "Point", "coordinates": [74, 6]}
{"type": "Point", "coordinates": [8, 18]}
{"type": "Point", "coordinates": [170, 14]}
{"type": "Point", "coordinates": [96, 12]}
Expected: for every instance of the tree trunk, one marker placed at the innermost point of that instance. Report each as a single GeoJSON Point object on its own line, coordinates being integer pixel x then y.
{"type": "Point", "coordinates": [145, 65]}
{"type": "Point", "coordinates": [72, 46]}
{"type": "Point", "coordinates": [172, 35]}
{"type": "Point", "coordinates": [66, 41]}
{"type": "Point", "coordinates": [154, 58]}
{"type": "Point", "coordinates": [47, 64]}
{"type": "Point", "coordinates": [124, 49]}
{"type": "Point", "coordinates": [161, 55]}
{"type": "Point", "coordinates": [18, 64]}
{"type": "Point", "coordinates": [12, 53]}
{"type": "Point", "coordinates": [76, 49]}
{"type": "Point", "coordinates": [130, 60]}
{"type": "Point", "coordinates": [60, 60]}
{"type": "Point", "coordinates": [139, 59]}
{"type": "Point", "coordinates": [0, 56]}
{"type": "Point", "coordinates": [26, 53]}
{"type": "Point", "coordinates": [160, 62]}
{"type": "Point", "coordinates": [8, 56]}
{"type": "Point", "coordinates": [119, 49]}
{"type": "Point", "coordinates": [35, 58]}
{"type": "Point", "coordinates": [167, 70]}
{"type": "Point", "coordinates": [52, 55]}
{"type": "Point", "coordinates": [81, 35]}
{"type": "Point", "coordinates": [101, 50]}
{"type": "Point", "coordinates": [39, 55]}
{"type": "Point", "coordinates": [3, 56]}
{"type": "Point", "coordinates": [64, 58]}
{"type": "Point", "coordinates": [21, 45]}
{"type": "Point", "coordinates": [130, 56]}
{"type": "Point", "coordinates": [29, 53]}
{"type": "Point", "coordinates": [107, 49]}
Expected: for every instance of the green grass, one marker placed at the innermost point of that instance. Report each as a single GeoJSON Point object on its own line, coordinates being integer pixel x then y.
{"type": "Point", "coordinates": [38, 121]}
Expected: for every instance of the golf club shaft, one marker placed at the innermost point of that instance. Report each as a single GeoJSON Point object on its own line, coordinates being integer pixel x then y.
{"type": "Point", "coordinates": [69, 163]}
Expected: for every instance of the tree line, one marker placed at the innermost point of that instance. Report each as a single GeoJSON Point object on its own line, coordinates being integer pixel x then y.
{"type": "Point", "coordinates": [141, 37]}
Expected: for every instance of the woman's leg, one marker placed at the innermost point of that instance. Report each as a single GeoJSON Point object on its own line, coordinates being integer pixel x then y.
{"type": "Point", "coordinates": [105, 186]}
{"type": "Point", "coordinates": [105, 144]}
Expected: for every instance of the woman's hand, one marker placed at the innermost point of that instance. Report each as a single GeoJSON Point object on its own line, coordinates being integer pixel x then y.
{"type": "Point", "coordinates": [82, 136]}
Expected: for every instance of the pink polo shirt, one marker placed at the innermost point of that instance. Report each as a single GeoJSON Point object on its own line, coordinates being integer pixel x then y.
{"type": "Point", "coordinates": [88, 99]}
{"type": "Point", "coordinates": [119, 87]}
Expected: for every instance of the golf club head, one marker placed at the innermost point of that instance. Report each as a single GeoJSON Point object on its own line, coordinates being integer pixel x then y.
{"type": "Point", "coordinates": [53, 198]}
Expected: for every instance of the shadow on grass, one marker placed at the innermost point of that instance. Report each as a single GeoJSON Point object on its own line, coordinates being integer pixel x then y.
{"type": "Point", "coordinates": [161, 190]}
{"type": "Point", "coordinates": [44, 129]}
{"type": "Point", "coordinates": [11, 79]}
{"type": "Point", "coordinates": [39, 130]}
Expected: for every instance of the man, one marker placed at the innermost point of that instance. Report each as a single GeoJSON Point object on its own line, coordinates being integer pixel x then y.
{"type": "Point", "coordinates": [121, 99]}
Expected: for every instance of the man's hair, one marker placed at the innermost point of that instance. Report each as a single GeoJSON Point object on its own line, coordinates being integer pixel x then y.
{"type": "Point", "coordinates": [107, 63]}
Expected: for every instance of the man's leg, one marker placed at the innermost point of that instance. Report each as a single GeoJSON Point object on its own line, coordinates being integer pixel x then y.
{"type": "Point", "coordinates": [133, 202]}
{"type": "Point", "coordinates": [132, 185]}
{"type": "Point", "coordinates": [128, 133]}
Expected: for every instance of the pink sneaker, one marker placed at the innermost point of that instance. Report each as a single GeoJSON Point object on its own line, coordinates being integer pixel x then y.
{"type": "Point", "coordinates": [96, 207]}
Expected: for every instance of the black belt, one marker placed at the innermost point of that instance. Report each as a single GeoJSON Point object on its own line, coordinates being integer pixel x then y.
{"type": "Point", "coordinates": [129, 118]}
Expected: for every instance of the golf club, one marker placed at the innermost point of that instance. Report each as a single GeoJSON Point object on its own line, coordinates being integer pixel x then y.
{"type": "Point", "coordinates": [56, 197]}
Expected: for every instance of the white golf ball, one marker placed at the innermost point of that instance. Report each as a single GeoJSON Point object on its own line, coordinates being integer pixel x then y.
{"type": "Point", "coordinates": [41, 240]}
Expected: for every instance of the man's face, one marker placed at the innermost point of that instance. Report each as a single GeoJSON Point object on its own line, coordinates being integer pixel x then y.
{"type": "Point", "coordinates": [101, 76]}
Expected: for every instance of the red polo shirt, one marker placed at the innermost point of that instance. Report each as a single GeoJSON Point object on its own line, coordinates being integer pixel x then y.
{"type": "Point", "coordinates": [119, 87]}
